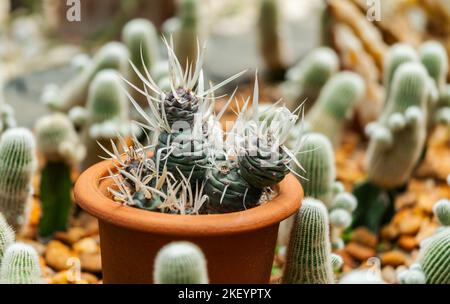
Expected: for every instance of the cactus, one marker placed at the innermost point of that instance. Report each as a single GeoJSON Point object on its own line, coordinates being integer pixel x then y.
{"type": "Point", "coordinates": [397, 138]}
{"type": "Point", "coordinates": [140, 37]}
{"type": "Point", "coordinates": [7, 120]}
{"type": "Point", "coordinates": [309, 258]}
{"type": "Point", "coordinates": [414, 275]}
{"type": "Point", "coordinates": [434, 57]}
{"type": "Point", "coordinates": [180, 263]}
{"type": "Point", "coordinates": [442, 211]}
{"type": "Point", "coordinates": [7, 236]}
{"type": "Point", "coordinates": [362, 276]}
{"type": "Point", "coordinates": [434, 258]}
{"type": "Point", "coordinates": [187, 33]}
{"type": "Point", "coordinates": [20, 265]}
{"type": "Point", "coordinates": [344, 200]}
{"type": "Point", "coordinates": [306, 80]}
{"type": "Point", "coordinates": [270, 40]}
{"type": "Point", "coordinates": [113, 55]}
{"type": "Point", "coordinates": [337, 262]}
{"type": "Point", "coordinates": [335, 105]}
{"type": "Point", "coordinates": [17, 167]}
{"type": "Point", "coordinates": [59, 145]}
{"type": "Point", "coordinates": [107, 115]}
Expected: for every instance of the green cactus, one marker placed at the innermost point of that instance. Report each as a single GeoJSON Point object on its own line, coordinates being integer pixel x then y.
{"type": "Point", "coordinates": [180, 263]}
{"type": "Point", "coordinates": [59, 145]}
{"type": "Point", "coordinates": [306, 80]}
{"type": "Point", "coordinates": [434, 258]}
{"type": "Point", "coordinates": [7, 236]}
{"type": "Point", "coordinates": [397, 138]}
{"type": "Point", "coordinates": [113, 55]}
{"type": "Point", "coordinates": [270, 40]}
{"type": "Point", "coordinates": [442, 211]}
{"type": "Point", "coordinates": [20, 265]}
{"type": "Point", "coordinates": [335, 105]}
{"type": "Point", "coordinates": [187, 33]}
{"type": "Point", "coordinates": [337, 262]}
{"type": "Point", "coordinates": [434, 57]}
{"type": "Point", "coordinates": [414, 275]}
{"type": "Point", "coordinates": [309, 259]}
{"type": "Point", "coordinates": [17, 167]}
{"type": "Point", "coordinates": [344, 200]}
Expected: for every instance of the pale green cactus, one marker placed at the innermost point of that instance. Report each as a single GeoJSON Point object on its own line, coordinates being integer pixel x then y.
{"type": "Point", "coordinates": [413, 275]}
{"type": "Point", "coordinates": [398, 54]}
{"type": "Point", "coordinates": [337, 262]}
{"type": "Point", "coordinates": [180, 263]}
{"type": "Point", "coordinates": [309, 259]}
{"type": "Point", "coordinates": [397, 138]}
{"type": "Point", "coordinates": [17, 167]}
{"type": "Point", "coordinates": [344, 200]}
{"type": "Point", "coordinates": [434, 57]}
{"type": "Point", "coordinates": [20, 265]}
{"type": "Point", "coordinates": [434, 258]}
{"type": "Point", "coordinates": [7, 236]}
{"type": "Point", "coordinates": [335, 105]}
{"type": "Point", "coordinates": [442, 211]}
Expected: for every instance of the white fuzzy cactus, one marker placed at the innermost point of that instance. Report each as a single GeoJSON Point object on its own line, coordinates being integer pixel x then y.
{"type": "Point", "coordinates": [7, 236]}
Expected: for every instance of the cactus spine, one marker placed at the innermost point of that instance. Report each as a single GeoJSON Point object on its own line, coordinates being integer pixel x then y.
{"type": "Point", "coordinates": [397, 138]}
{"type": "Point", "coordinates": [180, 263]}
{"type": "Point", "coordinates": [17, 167]}
{"type": "Point", "coordinates": [309, 252]}
{"type": "Point", "coordinates": [335, 105]}
{"type": "Point", "coordinates": [434, 258]}
{"type": "Point", "coordinates": [20, 265]}
{"type": "Point", "coordinates": [59, 145]}
{"type": "Point", "coordinates": [7, 236]}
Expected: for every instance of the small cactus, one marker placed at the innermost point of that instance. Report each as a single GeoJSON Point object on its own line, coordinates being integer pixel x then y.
{"type": "Point", "coordinates": [397, 138]}
{"type": "Point", "coordinates": [434, 258]}
{"type": "Point", "coordinates": [17, 167]}
{"type": "Point", "coordinates": [434, 57]}
{"type": "Point", "coordinates": [414, 275]}
{"type": "Point", "coordinates": [442, 211]}
{"type": "Point", "coordinates": [335, 105]}
{"type": "Point", "coordinates": [7, 236]}
{"type": "Point", "coordinates": [337, 262]}
{"type": "Point", "coordinates": [20, 265]}
{"type": "Point", "coordinates": [309, 259]}
{"type": "Point", "coordinates": [180, 263]}
{"type": "Point", "coordinates": [344, 200]}
{"type": "Point", "coordinates": [398, 54]}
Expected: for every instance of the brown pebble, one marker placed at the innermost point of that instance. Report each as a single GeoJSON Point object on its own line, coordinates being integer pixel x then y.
{"type": "Point", "coordinates": [407, 242]}
{"type": "Point", "coordinates": [364, 236]}
{"type": "Point", "coordinates": [389, 274]}
{"type": "Point", "coordinates": [410, 225]}
{"type": "Point", "coordinates": [57, 255]}
{"type": "Point", "coordinates": [91, 262]}
{"type": "Point", "coordinates": [359, 252]}
{"type": "Point", "coordinates": [393, 258]}
{"type": "Point", "coordinates": [71, 236]}
{"type": "Point", "coordinates": [389, 232]}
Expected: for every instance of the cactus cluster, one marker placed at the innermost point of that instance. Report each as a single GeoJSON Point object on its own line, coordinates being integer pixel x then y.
{"type": "Point", "coordinates": [434, 257]}
{"type": "Point", "coordinates": [20, 265]}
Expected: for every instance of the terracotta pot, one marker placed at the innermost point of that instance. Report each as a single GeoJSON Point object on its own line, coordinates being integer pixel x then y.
{"type": "Point", "coordinates": [239, 247]}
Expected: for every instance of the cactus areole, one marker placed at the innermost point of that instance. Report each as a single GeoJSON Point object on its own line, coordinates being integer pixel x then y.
{"type": "Point", "coordinates": [131, 237]}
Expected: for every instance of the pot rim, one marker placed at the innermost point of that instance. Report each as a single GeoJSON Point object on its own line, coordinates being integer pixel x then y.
{"type": "Point", "coordinates": [89, 196]}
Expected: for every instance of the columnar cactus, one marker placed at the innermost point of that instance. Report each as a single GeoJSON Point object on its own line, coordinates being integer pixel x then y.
{"type": "Point", "coordinates": [7, 236]}
{"type": "Point", "coordinates": [442, 211]}
{"type": "Point", "coordinates": [397, 139]}
{"type": "Point", "coordinates": [59, 145]}
{"type": "Point", "coordinates": [434, 258]}
{"type": "Point", "coordinates": [180, 263]}
{"type": "Point", "coordinates": [398, 54]}
{"type": "Point", "coordinates": [113, 55]}
{"type": "Point", "coordinates": [434, 57]}
{"type": "Point", "coordinates": [187, 34]}
{"type": "Point", "coordinates": [335, 105]}
{"type": "Point", "coordinates": [17, 168]}
{"type": "Point", "coordinates": [270, 40]}
{"type": "Point", "coordinates": [306, 80]}
{"type": "Point", "coordinates": [20, 265]}
{"type": "Point", "coordinates": [309, 258]}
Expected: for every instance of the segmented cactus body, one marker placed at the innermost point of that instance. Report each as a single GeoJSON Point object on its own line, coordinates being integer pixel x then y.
{"type": "Point", "coordinates": [7, 236]}
{"type": "Point", "coordinates": [435, 258]}
{"type": "Point", "coordinates": [17, 168]}
{"type": "Point", "coordinates": [20, 265]}
{"type": "Point", "coordinates": [309, 252]}
{"type": "Point", "coordinates": [180, 263]}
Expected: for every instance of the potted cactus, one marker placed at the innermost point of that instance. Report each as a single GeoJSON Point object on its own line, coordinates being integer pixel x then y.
{"type": "Point", "coordinates": [222, 191]}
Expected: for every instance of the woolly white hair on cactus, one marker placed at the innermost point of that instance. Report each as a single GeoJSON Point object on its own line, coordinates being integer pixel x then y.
{"type": "Point", "coordinates": [7, 236]}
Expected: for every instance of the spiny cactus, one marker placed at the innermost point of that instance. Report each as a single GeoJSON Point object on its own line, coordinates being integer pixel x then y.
{"type": "Point", "coordinates": [398, 54]}
{"type": "Point", "coordinates": [20, 265]}
{"type": "Point", "coordinates": [269, 36]}
{"type": "Point", "coordinates": [59, 144]}
{"type": "Point", "coordinates": [7, 236]}
{"type": "Point", "coordinates": [442, 211]}
{"type": "Point", "coordinates": [335, 105]}
{"type": "Point", "coordinates": [140, 37]}
{"type": "Point", "coordinates": [309, 258]}
{"type": "Point", "coordinates": [113, 55]}
{"type": "Point", "coordinates": [434, 57]}
{"type": "Point", "coordinates": [434, 258]}
{"type": "Point", "coordinates": [187, 34]}
{"type": "Point", "coordinates": [414, 275]}
{"type": "Point", "coordinates": [306, 80]}
{"type": "Point", "coordinates": [344, 200]}
{"type": "Point", "coordinates": [180, 263]}
{"type": "Point", "coordinates": [397, 138]}
{"type": "Point", "coordinates": [17, 168]}
{"type": "Point", "coordinates": [337, 262]}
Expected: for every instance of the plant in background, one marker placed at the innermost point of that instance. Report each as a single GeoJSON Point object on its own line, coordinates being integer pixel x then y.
{"type": "Point", "coordinates": [335, 105]}
{"type": "Point", "coordinates": [434, 257]}
{"type": "Point", "coordinates": [309, 259]}
{"type": "Point", "coordinates": [180, 263]}
{"type": "Point", "coordinates": [341, 210]}
{"type": "Point", "coordinates": [305, 80]}
{"type": "Point", "coordinates": [20, 265]}
{"type": "Point", "coordinates": [17, 167]}
{"type": "Point", "coordinates": [113, 55]}
{"type": "Point", "coordinates": [7, 236]}
{"type": "Point", "coordinates": [59, 145]}
{"type": "Point", "coordinates": [442, 211]}
{"type": "Point", "coordinates": [7, 119]}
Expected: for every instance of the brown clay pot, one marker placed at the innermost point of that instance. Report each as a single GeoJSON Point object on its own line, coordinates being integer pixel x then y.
{"type": "Point", "coordinates": [239, 247]}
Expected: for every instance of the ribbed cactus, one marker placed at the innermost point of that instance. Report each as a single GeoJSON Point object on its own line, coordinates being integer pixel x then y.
{"type": "Point", "coordinates": [306, 80]}
{"type": "Point", "coordinates": [434, 258]}
{"type": "Point", "coordinates": [113, 55]}
{"type": "Point", "coordinates": [335, 105]}
{"type": "Point", "coordinates": [20, 265]}
{"type": "Point", "coordinates": [308, 258]}
{"type": "Point", "coordinates": [7, 236]}
{"type": "Point", "coordinates": [442, 211]}
{"type": "Point", "coordinates": [107, 115]}
{"type": "Point", "coordinates": [269, 36]}
{"type": "Point", "coordinates": [397, 138]}
{"type": "Point", "coordinates": [337, 262]}
{"type": "Point", "coordinates": [398, 54]}
{"type": "Point", "coordinates": [180, 263]}
{"type": "Point", "coordinates": [17, 168]}
{"type": "Point", "coordinates": [434, 57]}
{"type": "Point", "coordinates": [187, 34]}
{"type": "Point", "coordinates": [59, 145]}
{"type": "Point", "coordinates": [141, 39]}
